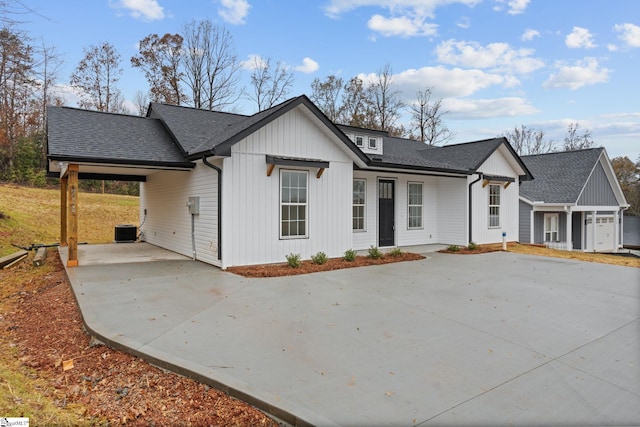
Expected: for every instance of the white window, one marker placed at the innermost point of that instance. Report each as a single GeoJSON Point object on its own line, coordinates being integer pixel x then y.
{"type": "Point", "coordinates": [551, 227]}
{"type": "Point", "coordinates": [359, 197]}
{"type": "Point", "coordinates": [360, 140]}
{"type": "Point", "coordinates": [373, 143]}
{"type": "Point", "coordinates": [414, 213]}
{"type": "Point", "coordinates": [293, 204]}
{"type": "Point", "coordinates": [494, 205]}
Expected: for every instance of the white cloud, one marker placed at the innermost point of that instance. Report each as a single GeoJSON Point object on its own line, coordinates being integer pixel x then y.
{"type": "Point", "coordinates": [583, 73]}
{"type": "Point", "coordinates": [612, 47]}
{"type": "Point", "coordinates": [401, 26]}
{"type": "Point", "coordinates": [530, 34]}
{"type": "Point", "coordinates": [629, 33]}
{"type": "Point", "coordinates": [464, 22]}
{"type": "Point", "coordinates": [148, 10]}
{"type": "Point", "coordinates": [516, 7]}
{"type": "Point", "coordinates": [444, 81]}
{"type": "Point", "coordinates": [495, 56]}
{"type": "Point", "coordinates": [308, 66]}
{"type": "Point", "coordinates": [580, 38]}
{"type": "Point", "coordinates": [253, 61]}
{"type": "Point", "coordinates": [462, 109]}
{"type": "Point", "coordinates": [234, 11]}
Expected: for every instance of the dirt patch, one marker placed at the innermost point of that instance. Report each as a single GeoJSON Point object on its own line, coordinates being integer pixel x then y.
{"type": "Point", "coordinates": [42, 322]}
{"type": "Point", "coordinates": [283, 269]}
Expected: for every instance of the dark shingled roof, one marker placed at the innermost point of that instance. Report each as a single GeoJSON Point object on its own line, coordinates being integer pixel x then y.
{"type": "Point", "coordinates": [93, 135]}
{"type": "Point", "coordinates": [560, 177]}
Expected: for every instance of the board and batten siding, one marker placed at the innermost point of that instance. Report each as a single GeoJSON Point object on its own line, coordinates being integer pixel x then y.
{"type": "Point", "coordinates": [524, 234]}
{"type": "Point", "coordinates": [497, 164]}
{"type": "Point", "coordinates": [597, 191]}
{"type": "Point", "coordinates": [168, 222]}
{"type": "Point", "coordinates": [251, 199]}
{"type": "Point", "coordinates": [427, 234]}
{"type": "Point", "coordinates": [452, 211]}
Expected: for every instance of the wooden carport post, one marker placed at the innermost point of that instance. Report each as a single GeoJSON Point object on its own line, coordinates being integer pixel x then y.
{"type": "Point", "coordinates": [63, 210]}
{"type": "Point", "coordinates": [72, 214]}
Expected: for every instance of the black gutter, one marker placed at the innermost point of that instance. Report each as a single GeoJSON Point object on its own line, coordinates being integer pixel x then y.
{"type": "Point", "coordinates": [470, 209]}
{"type": "Point", "coordinates": [121, 162]}
{"type": "Point", "coordinates": [217, 169]}
{"type": "Point", "coordinates": [378, 164]}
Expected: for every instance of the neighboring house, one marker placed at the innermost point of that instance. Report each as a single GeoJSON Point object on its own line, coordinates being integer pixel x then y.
{"type": "Point", "coordinates": [574, 203]}
{"type": "Point", "coordinates": [231, 189]}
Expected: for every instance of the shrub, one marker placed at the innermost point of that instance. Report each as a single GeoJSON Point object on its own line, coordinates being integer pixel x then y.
{"type": "Point", "coordinates": [319, 258]}
{"type": "Point", "coordinates": [395, 252]}
{"type": "Point", "coordinates": [453, 248]}
{"type": "Point", "coordinates": [472, 246]}
{"type": "Point", "coordinates": [293, 260]}
{"type": "Point", "coordinates": [374, 253]}
{"type": "Point", "coordinates": [350, 255]}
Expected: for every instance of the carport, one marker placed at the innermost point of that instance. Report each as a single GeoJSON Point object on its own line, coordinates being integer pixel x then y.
{"type": "Point", "coordinates": [77, 141]}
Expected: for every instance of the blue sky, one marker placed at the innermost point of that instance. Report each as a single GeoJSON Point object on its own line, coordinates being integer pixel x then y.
{"type": "Point", "coordinates": [497, 64]}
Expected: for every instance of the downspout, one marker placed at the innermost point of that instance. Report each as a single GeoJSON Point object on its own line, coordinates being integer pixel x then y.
{"type": "Point", "coordinates": [470, 209]}
{"type": "Point", "coordinates": [217, 169]}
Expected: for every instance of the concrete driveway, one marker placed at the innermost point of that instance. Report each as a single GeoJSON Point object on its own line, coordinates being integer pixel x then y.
{"type": "Point", "coordinates": [496, 339]}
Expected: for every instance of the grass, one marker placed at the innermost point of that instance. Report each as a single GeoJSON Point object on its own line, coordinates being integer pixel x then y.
{"type": "Point", "coordinates": [32, 215]}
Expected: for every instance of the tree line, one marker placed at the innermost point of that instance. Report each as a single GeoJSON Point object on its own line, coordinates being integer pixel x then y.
{"type": "Point", "coordinates": [199, 67]}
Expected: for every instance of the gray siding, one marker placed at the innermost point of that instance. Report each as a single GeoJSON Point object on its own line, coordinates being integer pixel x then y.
{"type": "Point", "coordinates": [597, 191]}
{"type": "Point", "coordinates": [576, 230]}
{"type": "Point", "coordinates": [631, 231]}
{"type": "Point", "coordinates": [538, 219]}
{"type": "Point", "coordinates": [524, 235]}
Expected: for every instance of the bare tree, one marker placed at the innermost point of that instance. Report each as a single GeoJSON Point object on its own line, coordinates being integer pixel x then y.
{"type": "Point", "coordinates": [426, 119]}
{"type": "Point", "coordinates": [97, 76]}
{"type": "Point", "coordinates": [142, 103]}
{"type": "Point", "coordinates": [356, 109]}
{"type": "Point", "coordinates": [270, 85]}
{"type": "Point", "coordinates": [47, 72]}
{"type": "Point", "coordinates": [526, 141]}
{"type": "Point", "coordinates": [211, 66]}
{"type": "Point", "coordinates": [160, 59]}
{"type": "Point", "coordinates": [575, 141]}
{"type": "Point", "coordinates": [385, 99]}
{"type": "Point", "coordinates": [16, 88]}
{"type": "Point", "coordinates": [326, 95]}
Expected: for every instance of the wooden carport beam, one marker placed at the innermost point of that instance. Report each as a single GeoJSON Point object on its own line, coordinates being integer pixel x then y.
{"type": "Point", "coordinates": [72, 215]}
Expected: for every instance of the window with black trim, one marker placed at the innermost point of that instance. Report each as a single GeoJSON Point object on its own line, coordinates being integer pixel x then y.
{"type": "Point", "coordinates": [494, 205]}
{"type": "Point", "coordinates": [414, 214]}
{"type": "Point", "coordinates": [359, 197]}
{"type": "Point", "coordinates": [293, 203]}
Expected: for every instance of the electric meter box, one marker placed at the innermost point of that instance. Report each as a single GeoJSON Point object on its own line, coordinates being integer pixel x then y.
{"type": "Point", "coordinates": [194, 205]}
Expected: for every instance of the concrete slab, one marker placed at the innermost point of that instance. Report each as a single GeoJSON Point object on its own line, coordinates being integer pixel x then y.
{"type": "Point", "coordinates": [492, 339]}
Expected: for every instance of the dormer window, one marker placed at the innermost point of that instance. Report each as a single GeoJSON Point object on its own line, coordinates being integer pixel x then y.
{"type": "Point", "coordinates": [360, 141]}
{"type": "Point", "coordinates": [373, 143]}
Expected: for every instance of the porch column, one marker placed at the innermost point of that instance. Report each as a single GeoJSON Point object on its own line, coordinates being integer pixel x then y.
{"type": "Point", "coordinates": [63, 211]}
{"type": "Point", "coordinates": [531, 231]}
{"type": "Point", "coordinates": [616, 229]}
{"type": "Point", "coordinates": [72, 213]}
{"type": "Point", "coordinates": [569, 237]}
{"type": "Point", "coordinates": [595, 230]}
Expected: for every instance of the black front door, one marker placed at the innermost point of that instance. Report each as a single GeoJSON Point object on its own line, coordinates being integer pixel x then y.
{"type": "Point", "coordinates": [386, 220]}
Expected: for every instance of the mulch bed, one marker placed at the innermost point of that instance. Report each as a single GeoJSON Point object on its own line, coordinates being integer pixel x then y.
{"type": "Point", "coordinates": [480, 249]}
{"type": "Point", "coordinates": [283, 269]}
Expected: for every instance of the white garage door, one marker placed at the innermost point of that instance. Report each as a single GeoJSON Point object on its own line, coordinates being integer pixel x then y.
{"type": "Point", "coordinates": [605, 234]}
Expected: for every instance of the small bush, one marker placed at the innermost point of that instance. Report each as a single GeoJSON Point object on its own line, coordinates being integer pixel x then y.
{"type": "Point", "coordinates": [319, 258]}
{"type": "Point", "coordinates": [395, 252]}
{"type": "Point", "coordinates": [374, 253]}
{"type": "Point", "coordinates": [472, 246]}
{"type": "Point", "coordinates": [350, 255]}
{"type": "Point", "coordinates": [293, 260]}
{"type": "Point", "coordinates": [453, 248]}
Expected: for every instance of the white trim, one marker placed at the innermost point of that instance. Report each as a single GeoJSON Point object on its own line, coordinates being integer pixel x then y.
{"type": "Point", "coordinates": [421, 205]}
{"type": "Point", "coordinates": [364, 207]}
{"type": "Point", "coordinates": [550, 230]}
{"type": "Point", "coordinates": [499, 206]}
{"type": "Point", "coordinates": [305, 204]}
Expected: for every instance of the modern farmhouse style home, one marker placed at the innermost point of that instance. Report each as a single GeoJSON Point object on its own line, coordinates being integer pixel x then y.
{"type": "Point", "coordinates": [230, 189]}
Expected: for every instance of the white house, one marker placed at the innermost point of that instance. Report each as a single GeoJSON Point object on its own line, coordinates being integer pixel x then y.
{"type": "Point", "coordinates": [231, 189]}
